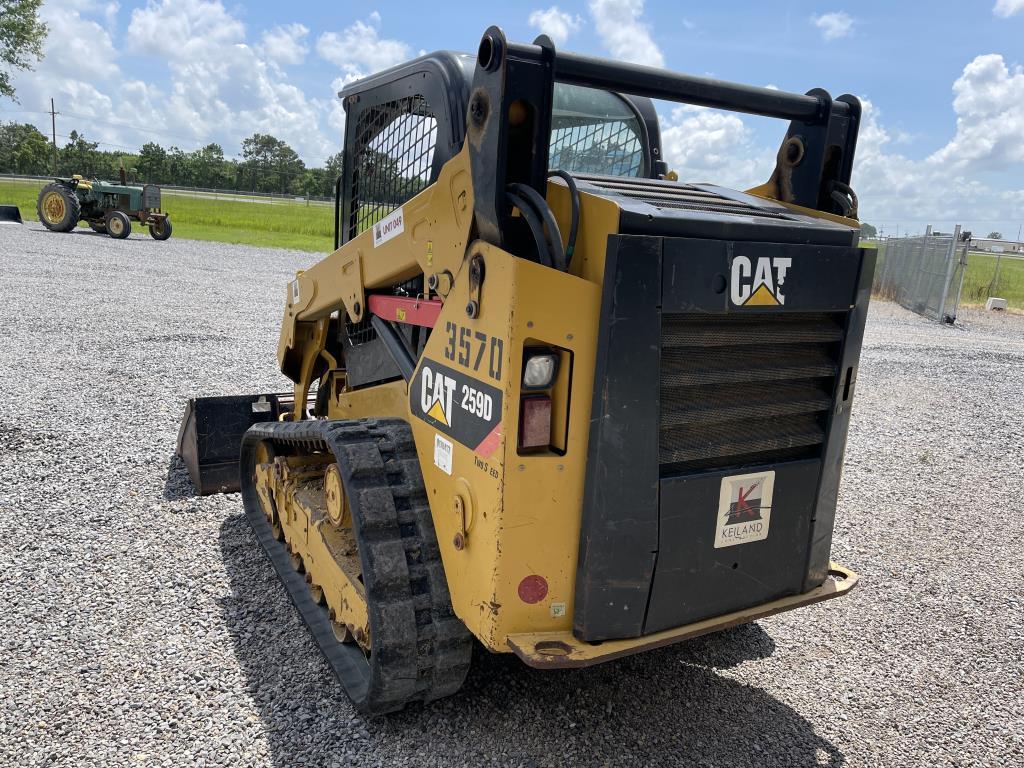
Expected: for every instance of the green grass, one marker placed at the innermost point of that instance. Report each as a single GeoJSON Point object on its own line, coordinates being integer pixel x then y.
{"type": "Point", "coordinates": [277, 224]}
{"type": "Point", "coordinates": [981, 268]}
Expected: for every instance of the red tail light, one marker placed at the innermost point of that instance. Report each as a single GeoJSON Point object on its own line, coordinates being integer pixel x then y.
{"type": "Point", "coordinates": [535, 421]}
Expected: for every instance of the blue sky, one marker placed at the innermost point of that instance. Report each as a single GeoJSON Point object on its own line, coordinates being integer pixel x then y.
{"type": "Point", "coordinates": [943, 138]}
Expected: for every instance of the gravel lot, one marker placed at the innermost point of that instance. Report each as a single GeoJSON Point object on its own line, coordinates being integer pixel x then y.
{"type": "Point", "coordinates": [141, 625]}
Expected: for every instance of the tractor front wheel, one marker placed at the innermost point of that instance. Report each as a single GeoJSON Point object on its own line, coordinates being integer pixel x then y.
{"type": "Point", "coordinates": [58, 207]}
{"type": "Point", "coordinates": [119, 226]}
{"type": "Point", "coordinates": [98, 226]}
{"type": "Point", "coordinates": [160, 229]}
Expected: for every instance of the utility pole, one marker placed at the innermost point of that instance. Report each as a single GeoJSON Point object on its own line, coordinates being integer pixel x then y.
{"type": "Point", "coordinates": [995, 278]}
{"type": "Point", "coordinates": [53, 124]}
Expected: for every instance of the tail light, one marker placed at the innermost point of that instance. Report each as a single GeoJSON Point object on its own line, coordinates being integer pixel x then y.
{"type": "Point", "coordinates": [535, 422]}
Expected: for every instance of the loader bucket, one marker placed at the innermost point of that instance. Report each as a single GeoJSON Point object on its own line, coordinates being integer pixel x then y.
{"type": "Point", "coordinates": [210, 437]}
{"type": "Point", "coordinates": [10, 213]}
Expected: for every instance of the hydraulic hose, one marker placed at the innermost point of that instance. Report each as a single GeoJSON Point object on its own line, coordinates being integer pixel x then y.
{"type": "Point", "coordinates": [532, 196]}
{"type": "Point", "coordinates": [536, 228]}
{"type": "Point", "coordinates": [574, 227]}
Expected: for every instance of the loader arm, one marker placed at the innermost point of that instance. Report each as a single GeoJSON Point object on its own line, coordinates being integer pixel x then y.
{"type": "Point", "coordinates": [433, 234]}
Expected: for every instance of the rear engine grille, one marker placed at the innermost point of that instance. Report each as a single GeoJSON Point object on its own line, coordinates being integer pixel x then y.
{"type": "Point", "coordinates": [741, 389]}
{"type": "Point", "coordinates": [687, 197]}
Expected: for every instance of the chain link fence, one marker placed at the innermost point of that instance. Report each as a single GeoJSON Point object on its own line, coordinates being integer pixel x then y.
{"type": "Point", "coordinates": [924, 274]}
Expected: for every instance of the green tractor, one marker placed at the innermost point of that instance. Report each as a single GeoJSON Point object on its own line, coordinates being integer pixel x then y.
{"type": "Point", "coordinates": [107, 208]}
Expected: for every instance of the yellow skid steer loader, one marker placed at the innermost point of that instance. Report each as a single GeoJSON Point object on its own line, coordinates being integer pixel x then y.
{"type": "Point", "coordinates": [546, 395]}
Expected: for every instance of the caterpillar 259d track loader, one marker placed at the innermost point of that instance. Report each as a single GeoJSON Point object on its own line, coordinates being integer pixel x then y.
{"type": "Point", "coordinates": [545, 395]}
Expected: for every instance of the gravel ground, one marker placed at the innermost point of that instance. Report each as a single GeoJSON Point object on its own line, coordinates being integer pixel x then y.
{"type": "Point", "coordinates": [142, 625]}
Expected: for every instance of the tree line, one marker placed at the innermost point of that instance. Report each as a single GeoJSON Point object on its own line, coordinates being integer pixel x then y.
{"type": "Point", "coordinates": [267, 164]}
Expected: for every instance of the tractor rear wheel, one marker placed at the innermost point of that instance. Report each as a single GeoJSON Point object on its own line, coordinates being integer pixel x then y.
{"type": "Point", "coordinates": [119, 226]}
{"type": "Point", "coordinates": [342, 512]}
{"type": "Point", "coordinates": [58, 207]}
{"type": "Point", "coordinates": [160, 229]}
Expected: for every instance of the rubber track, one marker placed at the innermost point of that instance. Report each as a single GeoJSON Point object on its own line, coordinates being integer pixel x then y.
{"type": "Point", "coordinates": [420, 649]}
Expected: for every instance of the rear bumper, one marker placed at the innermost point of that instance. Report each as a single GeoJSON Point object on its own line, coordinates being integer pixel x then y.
{"type": "Point", "coordinates": [563, 650]}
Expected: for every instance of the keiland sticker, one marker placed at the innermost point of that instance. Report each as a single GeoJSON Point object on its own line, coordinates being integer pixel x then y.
{"type": "Point", "coordinates": [390, 226]}
{"type": "Point", "coordinates": [443, 450]}
{"type": "Point", "coordinates": [744, 509]}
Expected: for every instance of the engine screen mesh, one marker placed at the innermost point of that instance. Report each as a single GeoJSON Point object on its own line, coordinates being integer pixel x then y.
{"type": "Point", "coordinates": [742, 389]}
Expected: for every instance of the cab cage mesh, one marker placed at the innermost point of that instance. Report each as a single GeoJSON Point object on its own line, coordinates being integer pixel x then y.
{"type": "Point", "coordinates": [392, 160]}
{"type": "Point", "coordinates": [608, 148]}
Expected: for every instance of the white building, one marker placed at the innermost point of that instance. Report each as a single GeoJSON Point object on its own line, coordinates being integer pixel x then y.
{"type": "Point", "coordinates": [996, 246]}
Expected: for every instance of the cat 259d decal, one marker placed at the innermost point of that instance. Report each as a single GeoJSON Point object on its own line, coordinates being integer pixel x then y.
{"type": "Point", "coordinates": [467, 410]}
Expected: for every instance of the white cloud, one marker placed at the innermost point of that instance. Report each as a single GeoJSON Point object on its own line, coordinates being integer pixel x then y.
{"type": "Point", "coordinates": [222, 88]}
{"type": "Point", "coordinates": [555, 23]}
{"type": "Point", "coordinates": [1007, 8]}
{"type": "Point", "coordinates": [181, 30]}
{"type": "Point", "coordinates": [894, 188]}
{"type": "Point", "coordinates": [110, 16]}
{"type": "Point", "coordinates": [623, 34]}
{"type": "Point", "coordinates": [359, 50]}
{"type": "Point", "coordinates": [834, 25]}
{"type": "Point", "coordinates": [80, 59]}
{"type": "Point", "coordinates": [705, 145]}
{"type": "Point", "coordinates": [989, 105]}
{"type": "Point", "coordinates": [286, 45]}
{"type": "Point", "coordinates": [208, 78]}
{"type": "Point", "coordinates": [77, 48]}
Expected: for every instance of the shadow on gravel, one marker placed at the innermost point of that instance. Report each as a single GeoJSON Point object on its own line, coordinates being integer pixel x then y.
{"type": "Point", "coordinates": [178, 484]}
{"type": "Point", "coordinates": [665, 707]}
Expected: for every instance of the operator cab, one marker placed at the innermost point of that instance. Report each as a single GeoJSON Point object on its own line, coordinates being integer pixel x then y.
{"type": "Point", "coordinates": [405, 123]}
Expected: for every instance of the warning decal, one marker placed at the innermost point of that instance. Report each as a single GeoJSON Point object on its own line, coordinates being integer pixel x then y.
{"type": "Point", "coordinates": [464, 409]}
{"type": "Point", "coordinates": [744, 509]}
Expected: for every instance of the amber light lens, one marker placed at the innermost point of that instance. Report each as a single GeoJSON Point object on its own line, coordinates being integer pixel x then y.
{"type": "Point", "coordinates": [535, 421]}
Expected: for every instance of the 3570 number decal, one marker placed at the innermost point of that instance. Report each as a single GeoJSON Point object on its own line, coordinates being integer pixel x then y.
{"type": "Point", "coordinates": [469, 348]}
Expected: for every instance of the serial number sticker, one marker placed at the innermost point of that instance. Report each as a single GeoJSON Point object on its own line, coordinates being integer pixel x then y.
{"type": "Point", "coordinates": [557, 610]}
{"type": "Point", "coordinates": [443, 450]}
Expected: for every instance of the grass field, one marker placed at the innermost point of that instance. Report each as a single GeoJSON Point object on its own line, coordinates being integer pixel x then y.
{"type": "Point", "coordinates": [981, 268]}
{"type": "Point", "coordinates": [276, 224]}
